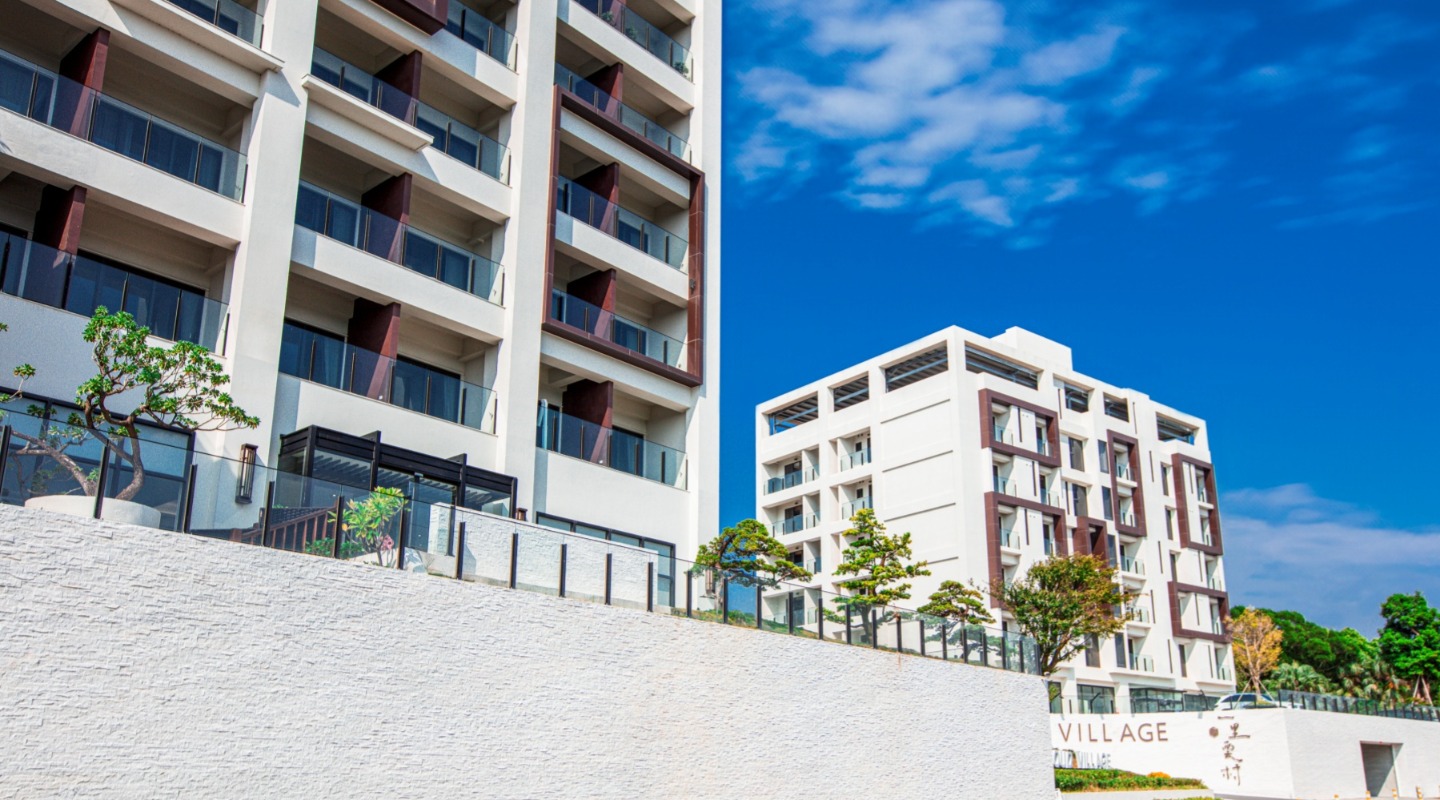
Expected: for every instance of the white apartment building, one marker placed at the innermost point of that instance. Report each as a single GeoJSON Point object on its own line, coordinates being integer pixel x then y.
{"type": "Point", "coordinates": [465, 248]}
{"type": "Point", "coordinates": [994, 453]}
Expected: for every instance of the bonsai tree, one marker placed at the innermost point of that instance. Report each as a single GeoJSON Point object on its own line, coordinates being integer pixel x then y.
{"type": "Point", "coordinates": [957, 601]}
{"type": "Point", "coordinates": [179, 385]}
{"type": "Point", "coordinates": [22, 373]}
{"type": "Point", "coordinates": [1410, 641]}
{"type": "Point", "coordinates": [1255, 641]}
{"type": "Point", "coordinates": [1061, 603]}
{"type": "Point", "coordinates": [747, 554]}
{"type": "Point", "coordinates": [879, 563]}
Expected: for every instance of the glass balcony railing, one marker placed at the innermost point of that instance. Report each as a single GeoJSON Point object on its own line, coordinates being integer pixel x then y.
{"type": "Point", "coordinates": [643, 32]}
{"type": "Point", "coordinates": [70, 107]}
{"type": "Point", "coordinates": [858, 458]}
{"type": "Point", "coordinates": [81, 285]}
{"type": "Point", "coordinates": [359, 227]}
{"type": "Point", "coordinates": [1006, 486]}
{"type": "Point", "coordinates": [789, 480]}
{"type": "Point", "coordinates": [227, 15]}
{"type": "Point", "coordinates": [850, 509]}
{"type": "Point", "coordinates": [1215, 583]}
{"type": "Point", "coordinates": [329, 361]}
{"type": "Point", "coordinates": [590, 208]}
{"type": "Point", "coordinates": [1000, 435]}
{"type": "Point", "coordinates": [1141, 614]}
{"type": "Point", "coordinates": [1140, 663]}
{"type": "Point", "coordinates": [1009, 539]}
{"type": "Point", "coordinates": [632, 336]}
{"type": "Point", "coordinates": [619, 450]}
{"type": "Point", "coordinates": [471, 27]}
{"type": "Point", "coordinates": [1122, 470]}
{"type": "Point", "coordinates": [1127, 518]}
{"type": "Point", "coordinates": [451, 137]}
{"type": "Point", "coordinates": [601, 101]}
{"type": "Point", "coordinates": [1202, 493]}
{"type": "Point", "coordinates": [1133, 566]}
{"type": "Point", "coordinates": [797, 523]}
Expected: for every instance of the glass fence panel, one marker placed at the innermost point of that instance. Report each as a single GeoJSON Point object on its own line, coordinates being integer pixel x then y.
{"type": "Point", "coordinates": [592, 319]}
{"type": "Point", "coordinates": [598, 99]}
{"type": "Point", "coordinates": [228, 16]}
{"type": "Point", "coordinates": [643, 32]}
{"type": "Point", "coordinates": [480, 33]}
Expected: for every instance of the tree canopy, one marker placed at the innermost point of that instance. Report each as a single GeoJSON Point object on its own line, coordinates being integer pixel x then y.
{"type": "Point", "coordinates": [957, 601]}
{"type": "Point", "coordinates": [879, 562]}
{"type": "Point", "coordinates": [1410, 641]}
{"type": "Point", "coordinates": [748, 555]}
{"type": "Point", "coordinates": [1255, 642]}
{"type": "Point", "coordinates": [1063, 601]}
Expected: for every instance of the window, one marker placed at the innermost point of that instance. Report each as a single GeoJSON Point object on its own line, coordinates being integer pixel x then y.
{"type": "Point", "coordinates": [1076, 398]}
{"type": "Point", "coordinates": [917, 368]}
{"type": "Point", "coordinates": [1096, 699]}
{"type": "Point", "coordinates": [1184, 672]}
{"type": "Point", "coordinates": [1049, 535]}
{"type": "Point", "coordinates": [1079, 500]}
{"type": "Point", "coordinates": [852, 393]}
{"type": "Point", "coordinates": [794, 415]}
{"type": "Point", "coordinates": [1117, 408]}
{"type": "Point", "coordinates": [981, 361]}
{"type": "Point", "coordinates": [1076, 448]}
{"type": "Point", "coordinates": [1170, 430]}
{"type": "Point", "coordinates": [1105, 500]}
{"type": "Point", "coordinates": [1170, 523]}
{"type": "Point", "coordinates": [1165, 480]}
{"type": "Point", "coordinates": [1092, 650]}
{"type": "Point", "coordinates": [1104, 458]}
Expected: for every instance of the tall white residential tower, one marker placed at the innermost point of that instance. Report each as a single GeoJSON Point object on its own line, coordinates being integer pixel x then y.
{"type": "Point", "coordinates": [468, 249]}
{"type": "Point", "coordinates": [994, 453]}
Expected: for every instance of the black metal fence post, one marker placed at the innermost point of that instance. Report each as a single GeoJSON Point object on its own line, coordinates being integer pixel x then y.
{"type": "Point", "coordinates": [849, 636]}
{"type": "Point", "coordinates": [4, 449]}
{"type": "Point", "coordinates": [564, 557]}
{"type": "Point", "coordinates": [515, 559]}
{"type": "Point", "coordinates": [899, 633]}
{"type": "Point", "coordinates": [944, 641]}
{"type": "Point", "coordinates": [404, 540]}
{"type": "Point", "coordinates": [460, 554]}
{"type": "Point", "coordinates": [339, 512]}
{"type": "Point", "coordinates": [265, 515]}
{"type": "Point", "coordinates": [874, 630]}
{"type": "Point", "coordinates": [650, 586]}
{"type": "Point", "coordinates": [759, 606]}
{"type": "Point", "coordinates": [820, 617]}
{"type": "Point", "coordinates": [190, 480]}
{"type": "Point", "coordinates": [689, 593]}
{"type": "Point", "coordinates": [790, 612]}
{"type": "Point", "coordinates": [609, 560]}
{"type": "Point", "coordinates": [100, 482]}
{"type": "Point", "coordinates": [1022, 654]}
{"type": "Point", "coordinates": [725, 600]}
{"type": "Point", "coordinates": [984, 647]}
{"type": "Point", "coordinates": [922, 636]}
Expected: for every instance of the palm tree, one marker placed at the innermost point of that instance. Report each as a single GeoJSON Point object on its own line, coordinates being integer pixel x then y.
{"type": "Point", "coordinates": [1295, 677]}
{"type": "Point", "coordinates": [1371, 678]}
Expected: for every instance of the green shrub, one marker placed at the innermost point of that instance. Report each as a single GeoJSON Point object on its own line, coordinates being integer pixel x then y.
{"type": "Point", "coordinates": [1108, 780]}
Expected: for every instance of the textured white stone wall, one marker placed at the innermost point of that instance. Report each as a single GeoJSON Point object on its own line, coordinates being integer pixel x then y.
{"type": "Point", "coordinates": [138, 663]}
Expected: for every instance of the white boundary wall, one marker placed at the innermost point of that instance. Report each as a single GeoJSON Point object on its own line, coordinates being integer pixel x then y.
{"type": "Point", "coordinates": [1264, 753]}
{"type": "Point", "coordinates": [139, 663]}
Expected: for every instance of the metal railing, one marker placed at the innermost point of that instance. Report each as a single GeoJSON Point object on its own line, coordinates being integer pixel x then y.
{"type": "Point", "coordinates": [576, 201]}
{"type": "Point", "coordinates": [350, 223]}
{"type": "Point", "coordinates": [1010, 539]}
{"type": "Point", "coordinates": [67, 106]}
{"type": "Point", "coordinates": [1139, 663]}
{"type": "Point", "coordinates": [790, 480]}
{"type": "Point", "coordinates": [632, 336]}
{"type": "Point", "coordinates": [472, 28]}
{"type": "Point", "coordinates": [797, 523]}
{"type": "Point", "coordinates": [332, 362]}
{"type": "Point", "coordinates": [227, 15]}
{"type": "Point", "coordinates": [1133, 566]}
{"type": "Point", "coordinates": [451, 136]}
{"type": "Point", "coordinates": [855, 458]}
{"type": "Point", "coordinates": [81, 285]}
{"type": "Point", "coordinates": [619, 450]}
{"type": "Point", "coordinates": [643, 32]}
{"type": "Point", "coordinates": [850, 509]}
{"type": "Point", "coordinates": [601, 101]}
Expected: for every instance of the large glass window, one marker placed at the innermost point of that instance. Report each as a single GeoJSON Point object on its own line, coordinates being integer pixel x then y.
{"type": "Point", "coordinates": [1096, 699]}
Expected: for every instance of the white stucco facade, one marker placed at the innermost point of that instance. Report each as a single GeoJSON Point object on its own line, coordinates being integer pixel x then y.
{"type": "Point", "coordinates": [142, 664]}
{"type": "Point", "coordinates": [989, 452]}
{"type": "Point", "coordinates": [498, 345]}
{"type": "Point", "coordinates": [1265, 753]}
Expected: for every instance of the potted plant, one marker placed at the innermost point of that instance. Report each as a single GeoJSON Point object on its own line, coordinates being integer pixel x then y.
{"type": "Point", "coordinates": [364, 528]}
{"type": "Point", "coordinates": [180, 385]}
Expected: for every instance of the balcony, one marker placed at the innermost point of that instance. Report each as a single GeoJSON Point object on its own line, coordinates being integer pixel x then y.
{"type": "Point", "coordinates": [1127, 518]}
{"type": "Point", "coordinates": [470, 27]}
{"type": "Point", "coordinates": [797, 523]}
{"type": "Point", "coordinates": [1139, 663]}
{"type": "Point", "coordinates": [1214, 582]}
{"type": "Point", "coordinates": [1132, 566]}
{"type": "Point", "coordinates": [351, 224]}
{"type": "Point", "coordinates": [789, 481]}
{"type": "Point", "coordinates": [450, 136]}
{"type": "Point", "coordinates": [228, 16]}
{"type": "Point", "coordinates": [590, 208]}
{"type": "Point", "coordinates": [1224, 674]}
{"type": "Point", "coordinates": [632, 336]}
{"type": "Point", "coordinates": [625, 452]}
{"type": "Point", "coordinates": [643, 32]}
{"type": "Point", "coordinates": [858, 458]}
{"type": "Point", "coordinates": [1009, 539]}
{"type": "Point", "coordinates": [330, 361]}
{"type": "Point", "coordinates": [1001, 436]}
{"type": "Point", "coordinates": [850, 509]}
{"type": "Point", "coordinates": [1122, 470]}
{"type": "Point", "coordinates": [596, 98]}
{"type": "Point", "coordinates": [80, 285]}
{"type": "Point", "coordinates": [1202, 493]}
{"type": "Point", "coordinates": [1007, 487]}
{"type": "Point", "coordinates": [1141, 615]}
{"type": "Point", "coordinates": [69, 107]}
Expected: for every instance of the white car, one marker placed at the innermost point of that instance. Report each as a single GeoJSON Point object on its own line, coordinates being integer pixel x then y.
{"type": "Point", "coordinates": [1230, 702]}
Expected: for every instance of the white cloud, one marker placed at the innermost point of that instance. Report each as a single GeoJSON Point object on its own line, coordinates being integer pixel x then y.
{"type": "Point", "coordinates": [1287, 548]}
{"type": "Point", "coordinates": [1057, 63]}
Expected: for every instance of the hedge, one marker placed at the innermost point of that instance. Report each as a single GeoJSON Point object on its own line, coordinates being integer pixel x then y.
{"type": "Point", "coordinates": [1104, 780]}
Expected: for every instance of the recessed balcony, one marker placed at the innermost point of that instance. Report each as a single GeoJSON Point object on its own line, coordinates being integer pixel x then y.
{"type": "Point", "coordinates": [320, 358]}
{"type": "Point", "coordinates": [643, 32]}
{"type": "Point", "coordinates": [44, 96]}
{"type": "Point", "coordinates": [478, 31]}
{"type": "Point", "coordinates": [796, 524]}
{"type": "Point", "coordinates": [579, 203]}
{"type": "Point", "coordinates": [627, 116]}
{"type": "Point", "coordinates": [632, 336]}
{"type": "Point", "coordinates": [351, 224]}
{"type": "Point", "coordinates": [853, 507]}
{"type": "Point", "coordinates": [790, 480]}
{"type": "Point", "coordinates": [231, 17]}
{"type": "Point", "coordinates": [619, 450]}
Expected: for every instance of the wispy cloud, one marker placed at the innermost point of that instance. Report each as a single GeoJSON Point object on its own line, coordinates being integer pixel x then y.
{"type": "Point", "coordinates": [1288, 548]}
{"type": "Point", "coordinates": [997, 116]}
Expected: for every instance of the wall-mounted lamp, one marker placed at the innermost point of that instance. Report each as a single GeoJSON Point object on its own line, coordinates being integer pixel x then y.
{"type": "Point", "coordinates": [245, 483]}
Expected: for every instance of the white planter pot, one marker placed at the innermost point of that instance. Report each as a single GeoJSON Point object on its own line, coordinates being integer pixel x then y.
{"type": "Point", "coordinates": [113, 510]}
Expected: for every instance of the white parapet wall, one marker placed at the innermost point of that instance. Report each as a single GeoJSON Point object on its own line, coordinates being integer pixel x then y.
{"type": "Point", "coordinates": [138, 663]}
{"type": "Point", "coordinates": [1265, 753]}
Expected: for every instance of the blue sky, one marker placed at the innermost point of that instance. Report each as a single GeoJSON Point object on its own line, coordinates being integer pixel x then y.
{"type": "Point", "coordinates": [1229, 206]}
